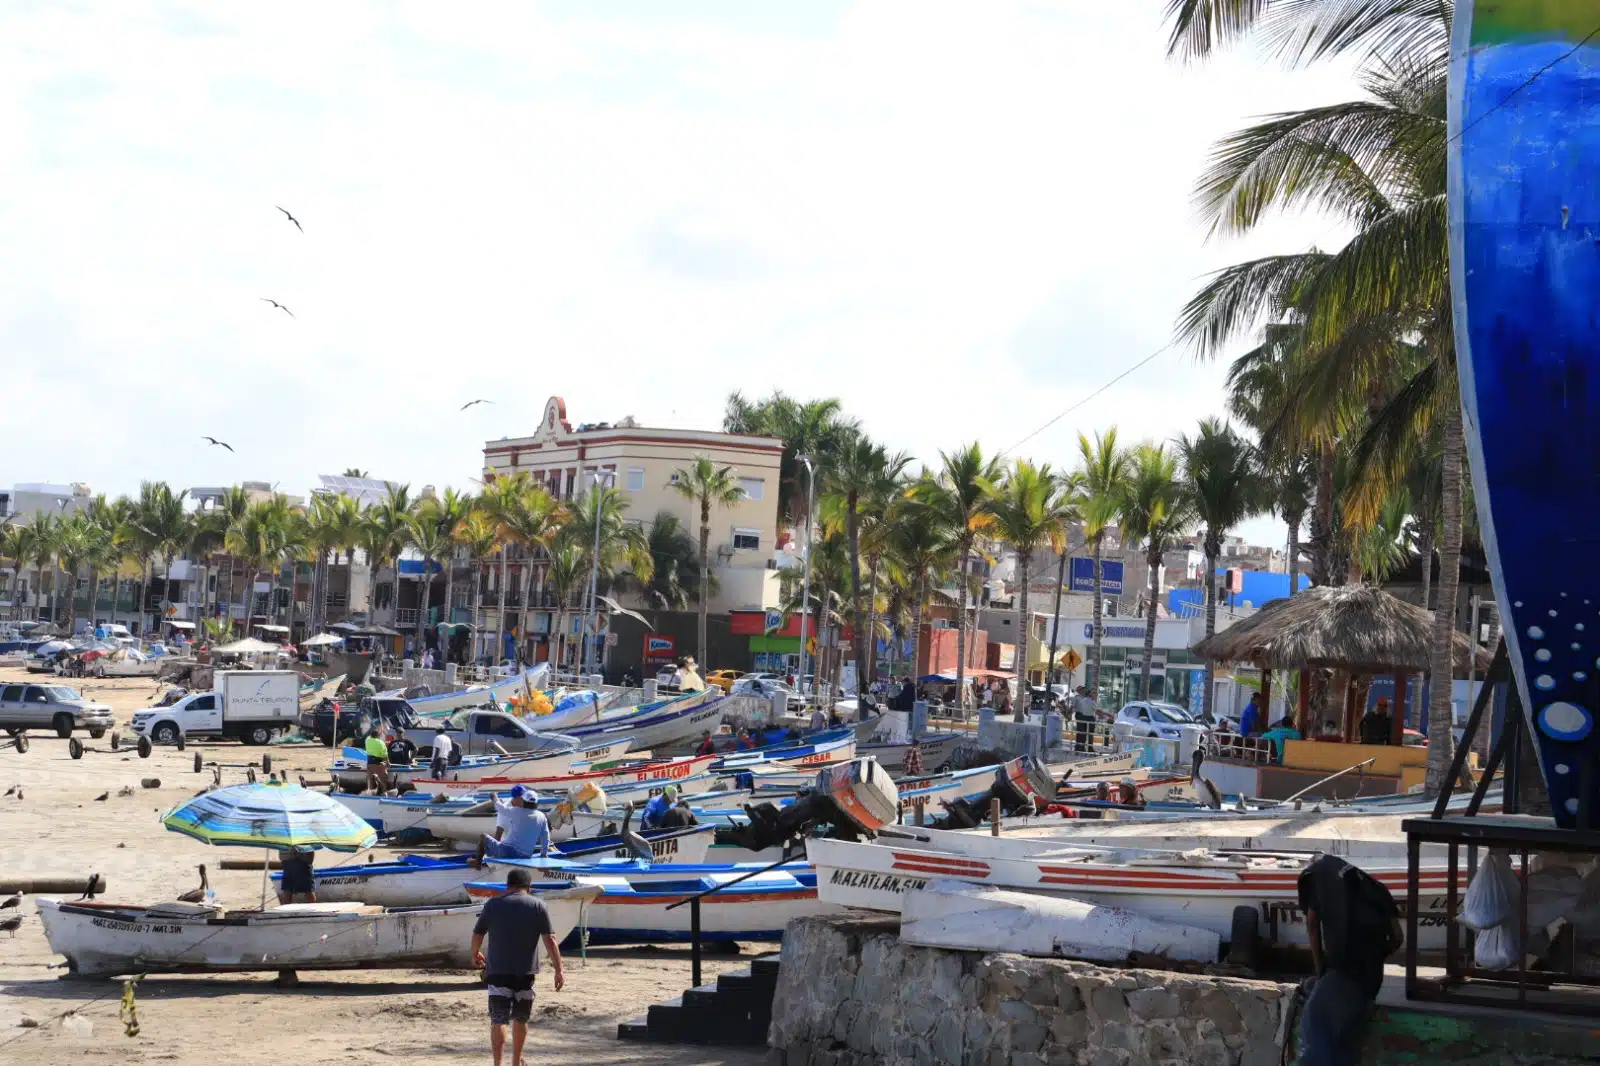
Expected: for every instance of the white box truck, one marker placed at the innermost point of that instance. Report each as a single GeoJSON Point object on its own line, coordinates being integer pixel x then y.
{"type": "Point", "coordinates": [247, 705]}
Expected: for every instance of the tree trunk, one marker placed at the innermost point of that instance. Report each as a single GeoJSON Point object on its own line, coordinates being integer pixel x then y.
{"type": "Point", "coordinates": [166, 589]}
{"type": "Point", "coordinates": [527, 612]}
{"type": "Point", "coordinates": [1441, 741]}
{"type": "Point", "coordinates": [1425, 549]}
{"type": "Point", "coordinates": [705, 582]}
{"type": "Point", "coordinates": [250, 600]}
{"type": "Point", "coordinates": [1154, 559]}
{"type": "Point", "coordinates": [1322, 532]}
{"type": "Point", "coordinates": [961, 630]}
{"type": "Point", "coordinates": [853, 529]}
{"type": "Point", "coordinates": [870, 637]}
{"type": "Point", "coordinates": [1092, 673]}
{"type": "Point", "coordinates": [477, 602]}
{"type": "Point", "coordinates": [144, 597]}
{"type": "Point", "coordinates": [94, 595]}
{"type": "Point", "coordinates": [1024, 640]}
{"type": "Point", "coordinates": [1293, 522]}
{"type": "Point", "coordinates": [1211, 621]}
{"type": "Point", "coordinates": [500, 627]}
{"type": "Point", "coordinates": [916, 623]}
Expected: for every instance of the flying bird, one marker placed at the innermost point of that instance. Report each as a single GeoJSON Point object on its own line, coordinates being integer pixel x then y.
{"type": "Point", "coordinates": [469, 403]}
{"type": "Point", "coordinates": [279, 306]}
{"type": "Point", "coordinates": [220, 444]}
{"type": "Point", "coordinates": [290, 217]}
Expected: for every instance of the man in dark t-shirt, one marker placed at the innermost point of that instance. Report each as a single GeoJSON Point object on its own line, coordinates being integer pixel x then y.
{"type": "Point", "coordinates": [1353, 925]}
{"type": "Point", "coordinates": [514, 924]}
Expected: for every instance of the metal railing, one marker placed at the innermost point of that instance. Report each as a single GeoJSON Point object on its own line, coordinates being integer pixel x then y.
{"type": "Point", "coordinates": [693, 903]}
{"type": "Point", "coordinates": [1241, 748]}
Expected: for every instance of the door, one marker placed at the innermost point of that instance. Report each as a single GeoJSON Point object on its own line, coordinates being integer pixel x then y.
{"type": "Point", "coordinates": [487, 728]}
{"type": "Point", "coordinates": [11, 709]}
{"type": "Point", "coordinates": [202, 714]}
{"type": "Point", "coordinates": [37, 709]}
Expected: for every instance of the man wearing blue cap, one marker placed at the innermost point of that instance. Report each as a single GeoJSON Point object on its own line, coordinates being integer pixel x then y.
{"type": "Point", "coordinates": [520, 828]}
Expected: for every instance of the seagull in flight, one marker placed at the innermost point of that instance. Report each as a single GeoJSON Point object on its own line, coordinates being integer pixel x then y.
{"type": "Point", "coordinates": [218, 443]}
{"type": "Point", "coordinates": [280, 307]}
{"type": "Point", "coordinates": [291, 218]}
{"type": "Point", "coordinates": [469, 403]}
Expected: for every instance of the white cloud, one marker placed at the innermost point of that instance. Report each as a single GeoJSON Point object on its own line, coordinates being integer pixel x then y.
{"type": "Point", "coordinates": [959, 219]}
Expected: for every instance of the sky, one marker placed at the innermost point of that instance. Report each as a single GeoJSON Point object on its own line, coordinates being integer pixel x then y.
{"type": "Point", "coordinates": [960, 219]}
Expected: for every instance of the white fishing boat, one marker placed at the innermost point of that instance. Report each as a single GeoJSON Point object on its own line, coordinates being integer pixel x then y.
{"type": "Point", "coordinates": [314, 693]}
{"type": "Point", "coordinates": [1198, 888]}
{"type": "Point", "coordinates": [465, 820]}
{"type": "Point", "coordinates": [820, 750]}
{"type": "Point", "coordinates": [654, 726]}
{"type": "Point", "coordinates": [517, 767]}
{"type": "Point", "coordinates": [432, 881]}
{"type": "Point", "coordinates": [105, 939]}
{"type": "Point", "coordinates": [392, 815]}
{"type": "Point", "coordinates": [962, 916]}
{"type": "Point", "coordinates": [936, 750]}
{"type": "Point", "coordinates": [496, 693]}
{"type": "Point", "coordinates": [756, 909]}
{"type": "Point", "coordinates": [663, 771]}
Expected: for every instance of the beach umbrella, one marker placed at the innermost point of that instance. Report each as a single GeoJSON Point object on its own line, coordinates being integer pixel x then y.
{"type": "Point", "coordinates": [273, 815]}
{"type": "Point", "coordinates": [321, 640]}
{"type": "Point", "coordinates": [247, 646]}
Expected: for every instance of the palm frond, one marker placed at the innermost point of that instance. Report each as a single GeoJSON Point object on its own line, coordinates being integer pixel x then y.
{"type": "Point", "coordinates": [1237, 298]}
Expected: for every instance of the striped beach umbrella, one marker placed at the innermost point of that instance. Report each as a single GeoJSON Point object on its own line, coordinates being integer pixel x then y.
{"type": "Point", "coordinates": [270, 814]}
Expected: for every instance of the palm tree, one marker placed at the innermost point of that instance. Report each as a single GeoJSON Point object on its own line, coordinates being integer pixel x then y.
{"type": "Point", "coordinates": [12, 547]}
{"type": "Point", "coordinates": [356, 472]}
{"type": "Point", "coordinates": [1219, 473]}
{"type": "Point", "coordinates": [500, 501]}
{"type": "Point", "coordinates": [675, 584]}
{"type": "Point", "coordinates": [921, 551]}
{"type": "Point", "coordinates": [814, 428]}
{"type": "Point", "coordinates": [452, 509]}
{"type": "Point", "coordinates": [479, 535]}
{"type": "Point", "coordinates": [1104, 484]}
{"type": "Point", "coordinates": [622, 543]}
{"type": "Point", "coordinates": [860, 472]}
{"type": "Point", "coordinates": [260, 539]}
{"type": "Point", "coordinates": [531, 518]}
{"type": "Point", "coordinates": [40, 548]}
{"type": "Point", "coordinates": [958, 495]}
{"type": "Point", "coordinates": [1031, 509]}
{"type": "Point", "coordinates": [74, 544]}
{"type": "Point", "coordinates": [108, 551]}
{"type": "Point", "coordinates": [707, 485]}
{"type": "Point", "coordinates": [1307, 30]}
{"type": "Point", "coordinates": [1155, 511]}
{"type": "Point", "coordinates": [383, 533]}
{"type": "Point", "coordinates": [565, 574]}
{"type": "Point", "coordinates": [1377, 309]}
{"type": "Point", "coordinates": [423, 532]}
{"type": "Point", "coordinates": [163, 523]}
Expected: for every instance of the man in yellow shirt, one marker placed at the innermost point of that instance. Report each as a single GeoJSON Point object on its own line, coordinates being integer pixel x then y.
{"type": "Point", "coordinates": [377, 762]}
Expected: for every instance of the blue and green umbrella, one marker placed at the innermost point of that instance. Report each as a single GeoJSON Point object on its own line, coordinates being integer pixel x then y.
{"type": "Point", "coordinates": [271, 814]}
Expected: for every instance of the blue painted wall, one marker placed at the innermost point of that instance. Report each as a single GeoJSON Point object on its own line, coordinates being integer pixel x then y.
{"type": "Point", "coordinates": [1259, 588]}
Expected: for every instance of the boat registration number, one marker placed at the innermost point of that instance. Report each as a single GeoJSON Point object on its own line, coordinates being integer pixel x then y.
{"type": "Point", "coordinates": [874, 882]}
{"type": "Point", "coordinates": [134, 927]}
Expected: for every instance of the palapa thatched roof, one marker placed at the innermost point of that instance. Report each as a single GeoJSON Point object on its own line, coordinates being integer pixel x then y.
{"type": "Point", "coordinates": [1351, 627]}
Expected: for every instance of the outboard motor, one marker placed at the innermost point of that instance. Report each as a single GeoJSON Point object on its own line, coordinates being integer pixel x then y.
{"type": "Point", "coordinates": [853, 799]}
{"type": "Point", "coordinates": [1022, 785]}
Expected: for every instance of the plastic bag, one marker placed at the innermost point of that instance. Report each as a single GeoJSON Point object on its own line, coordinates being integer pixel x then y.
{"type": "Point", "coordinates": [1492, 896]}
{"type": "Point", "coordinates": [1497, 948]}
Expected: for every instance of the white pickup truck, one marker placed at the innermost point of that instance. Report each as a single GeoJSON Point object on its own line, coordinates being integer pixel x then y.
{"type": "Point", "coordinates": [247, 705]}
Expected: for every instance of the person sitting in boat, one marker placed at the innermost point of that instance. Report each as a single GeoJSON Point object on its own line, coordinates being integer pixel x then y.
{"type": "Point", "coordinates": [1128, 793]}
{"type": "Point", "coordinates": [911, 762]}
{"type": "Point", "coordinates": [680, 816]}
{"type": "Point", "coordinates": [377, 762]}
{"type": "Point", "coordinates": [746, 741]}
{"type": "Point", "coordinates": [520, 829]}
{"type": "Point", "coordinates": [707, 747]}
{"type": "Point", "coordinates": [656, 810]}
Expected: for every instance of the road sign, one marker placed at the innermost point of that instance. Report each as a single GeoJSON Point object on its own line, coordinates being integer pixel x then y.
{"type": "Point", "coordinates": [1071, 660]}
{"type": "Point", "coordinates": [1081, 578]}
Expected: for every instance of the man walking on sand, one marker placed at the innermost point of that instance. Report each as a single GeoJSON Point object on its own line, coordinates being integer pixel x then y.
{"type": "Point", "coordinates": [514, 923]}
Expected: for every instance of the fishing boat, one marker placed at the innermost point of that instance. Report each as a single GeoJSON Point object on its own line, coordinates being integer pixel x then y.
{"type": "Point", "coordinates": [464, 818]}
{"type": "Point", "coordinates": [496, 693]}
{"type": "Point", "coordinates": [664, 771]}
{"type": "Point", "coordinates": [657, 726]}
{"type": "Point", "coordinates": [313, 693]}
{"type": "Point", "coordinates": [392, 815]}
{"type": "Point", "coordinates": [936, 750]}
{"type": "Point", "coordinates": [105, 939]}
{"type": "Point", "coordinates": [823, 749]}
{"type": "Point", "coordinates": [432, 881]}
{"type": "Point", "coordinates": [1199, 887]}
{"type": "Point", "coordinates": [755, 909]}
{"type": "Point", "coordinates": [937, 791]}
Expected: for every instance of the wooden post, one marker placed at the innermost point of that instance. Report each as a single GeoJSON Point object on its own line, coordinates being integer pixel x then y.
{"type": "Point", "coordinates": [1266, 696]}
{"type": "Point", "coordinates": [1397, 731]}
{"type": "Point", "coordinates": [994, 816]}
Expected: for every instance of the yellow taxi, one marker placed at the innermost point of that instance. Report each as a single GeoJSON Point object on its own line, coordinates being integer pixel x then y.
{"type": "Point", "coordinates": [724, 679]}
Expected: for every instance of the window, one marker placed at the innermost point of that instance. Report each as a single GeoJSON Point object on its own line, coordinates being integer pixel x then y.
{"type": "Point", "coordinates": [203, 703]}
{"type": "Point", "coordinates": [746, 540]}
{"type": "Point", "coordinates": [11, 694]}
{"type": "Point", "coordinates": [754, 488]}
{"type": "Point", "coordinates": [34, 694]}
{"type": "Point", "coordinates": [635, 479]}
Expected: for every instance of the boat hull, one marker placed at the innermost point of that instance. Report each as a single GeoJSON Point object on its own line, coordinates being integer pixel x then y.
{"type": "Point", "coordinates": [936, 750]}
{"type": "Point", "coordinates": [1524, 212]}
{"type": "Point", "coordinates": [106, 939]}
{"type": "Point", "coordinates": [496, 693]}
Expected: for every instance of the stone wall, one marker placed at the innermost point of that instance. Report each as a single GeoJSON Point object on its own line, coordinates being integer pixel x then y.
{"type": "Point", "coordinates": [850, 993]}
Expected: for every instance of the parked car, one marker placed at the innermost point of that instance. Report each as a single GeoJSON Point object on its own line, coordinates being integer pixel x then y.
{"type": "Point", "coordinates": [1153, 718]}
{"type": "Point", "coordinates": [55, 707]}
{"type": "Point", "coordinates": [763, 685]}
{"type": "Point", "coordinates": [357, 720]}
{"type": "Point", "coordinates": [724, 679]}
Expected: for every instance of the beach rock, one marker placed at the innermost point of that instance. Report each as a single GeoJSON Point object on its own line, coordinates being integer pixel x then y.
{"type": "Point", "coordinates": [1215, 1005]}
{"type": "Point", "coordinates": [1149, 1003]}
{"type": "Point", "coordinates": [1070, 1029]}
{"type": "Point", "coordinates": [1108, 1004]}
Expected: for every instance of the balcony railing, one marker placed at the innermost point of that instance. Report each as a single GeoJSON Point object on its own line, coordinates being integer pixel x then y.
{"type": "Point", "coordinates": [406, 616]}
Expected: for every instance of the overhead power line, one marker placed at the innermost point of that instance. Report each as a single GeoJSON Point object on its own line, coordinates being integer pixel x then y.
{"type": "Point", "coordinates": [1087, 398]}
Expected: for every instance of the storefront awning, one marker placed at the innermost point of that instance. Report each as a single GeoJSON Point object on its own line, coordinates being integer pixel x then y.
{"type": "Point", "coordinates": [271, 628]}
{"type": "Point", "coordinates": [180, 625]}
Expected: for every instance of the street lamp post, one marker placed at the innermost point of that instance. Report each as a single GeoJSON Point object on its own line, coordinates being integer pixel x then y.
{"type": "Point", "coordinates": [805, 594]}
{"type": "Point", "coordinates": [594, 566]}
